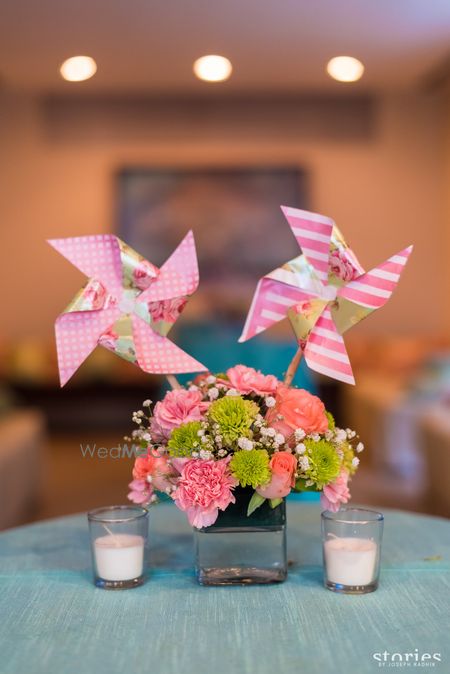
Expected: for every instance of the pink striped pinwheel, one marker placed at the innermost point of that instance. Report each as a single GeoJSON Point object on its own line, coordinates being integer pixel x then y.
{"type": "Point", "coordinates": [128, 305]}
{"type": "Point", "coordinates": [324, 292]}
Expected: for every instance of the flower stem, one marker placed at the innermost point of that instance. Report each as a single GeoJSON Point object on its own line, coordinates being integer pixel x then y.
{"type": "Point", "coordinates": [173, 381]}
{"type": "Point", "coordinates": [293, 366]}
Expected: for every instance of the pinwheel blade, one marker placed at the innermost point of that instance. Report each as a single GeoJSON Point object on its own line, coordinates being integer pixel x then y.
{"type": "Point", "coordinates": [158, 355]}
{"type": "Point", "coordinates": [325, 350]}
{"type": "Point", "coordinates": [178, 276]}
{"type": "Point", "coordinates": [313, 234]}
{"type": "Point", "coordinates": [77, 335]}
{"type": "Point", "coordinates": [373, 289]}
{"type": "Point", "coordinates": [96, 256]}
{"type": "Point", "coordinates": [271, 303]}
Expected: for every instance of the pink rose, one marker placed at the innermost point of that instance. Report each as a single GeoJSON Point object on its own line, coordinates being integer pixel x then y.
{"type": "Point", "coordinates": [336, 493]}
{"type": "Point", "coordinates": [167, 310]}
{"type": "Point", "coordinates": [204, 488]}
{"type": "Point", "coordinates": [157, 467]}
{"type": "Point", "coordinates": [341, 267]}
{"type": "Point", "coordinates": [178, 407]}
{"type": "Point", "coordinates": [247, 380]}
{"type": "Point", "coordinates": [284, 463]}
{"type": "Point", "coordinates": [283, 466]}
{"type": "Point", "coordinates": [299, 409]}
{"type": "Point", "coordinates": [141, 491]}
{"type": "Point", "coordinates": [201, 378]}
{"type": "Point", "coordinates": [108, 339]}
{"type": "Point", "coordinates": [305, 309]}
{"type": "Point", "coordinates": [94, 294]}
{"type": "Point", "coordinates": [144, 274]}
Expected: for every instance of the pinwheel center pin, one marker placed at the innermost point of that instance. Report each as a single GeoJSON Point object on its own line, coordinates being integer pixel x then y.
{"type": "Point", "coordinates": [127, 304]}
{"type": "Point", "coordinates": [329, 293]}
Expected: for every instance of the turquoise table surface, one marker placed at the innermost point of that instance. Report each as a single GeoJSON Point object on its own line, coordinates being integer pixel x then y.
{"type": "Point", "coordinates": [54, 621]}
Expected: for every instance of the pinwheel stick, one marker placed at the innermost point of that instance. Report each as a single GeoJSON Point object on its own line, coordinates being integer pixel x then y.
{"type": "Point", "coordinates": [173, 381]}
{"type": "Point", "coordinates": [293, 366]}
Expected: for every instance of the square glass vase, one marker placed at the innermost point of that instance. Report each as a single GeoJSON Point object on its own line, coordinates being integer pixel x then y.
{"type": "Point", "coordinates": [241, 550]}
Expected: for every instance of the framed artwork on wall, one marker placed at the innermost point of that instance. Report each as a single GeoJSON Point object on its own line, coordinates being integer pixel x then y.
{"type": "Point", "coordinates": [234, 212]}
{"type": "Point", "coordinates": [241, 234]}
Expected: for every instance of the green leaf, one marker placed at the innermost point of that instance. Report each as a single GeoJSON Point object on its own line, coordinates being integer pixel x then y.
{"type": "Point", "coordinates": [274, 502]}
{"type": "Point", "coordinates": [255, 501]}
{"type": "Point", "coordinates": [300, 485]}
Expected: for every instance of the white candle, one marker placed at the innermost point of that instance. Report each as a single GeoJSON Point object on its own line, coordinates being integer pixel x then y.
{"type": "Point", "coordinates": [350, 561]}
{"type": "Point", "coordinates": [119, 557]}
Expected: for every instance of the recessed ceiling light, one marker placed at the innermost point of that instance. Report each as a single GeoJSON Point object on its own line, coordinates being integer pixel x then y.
{"type": "Point", "coordinates": [78, 68]}
{"type": "Point", "coordinates": [213, 68]}
{"type": "Point", "coordinates": [345, 69]}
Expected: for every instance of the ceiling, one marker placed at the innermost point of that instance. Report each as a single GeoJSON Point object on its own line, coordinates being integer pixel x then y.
{"type": "Point", "coordinates": [275, 45]}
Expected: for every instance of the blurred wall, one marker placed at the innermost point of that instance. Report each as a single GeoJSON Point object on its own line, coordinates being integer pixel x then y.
{"type": "Point", "coordinates": [385, 189]}
{"type": "Point", "coordinates": [447, 199]}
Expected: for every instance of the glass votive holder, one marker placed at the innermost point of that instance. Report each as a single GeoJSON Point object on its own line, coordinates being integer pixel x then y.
{"type": "Point", "coordinates": [351, 541]}
{"type": "Point", "coordinates": [119, 537]}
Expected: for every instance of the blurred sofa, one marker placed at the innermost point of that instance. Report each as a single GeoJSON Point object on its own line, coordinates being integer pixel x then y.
{"type": "Point", "coordinates": [22, 433]}
{"type": "Point", "coordinates": [435, 430]}
{"type": "Point", "coordinates": [400, 381]}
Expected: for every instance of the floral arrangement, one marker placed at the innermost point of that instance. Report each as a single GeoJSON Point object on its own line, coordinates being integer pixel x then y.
{"type": "Point", "coordinates": [241, 428]}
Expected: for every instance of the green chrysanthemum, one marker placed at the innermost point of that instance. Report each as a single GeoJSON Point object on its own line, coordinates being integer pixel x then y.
{"type": "Point", "coordinates": [234, 417]}
{"type": "Point", "coordinates": [324, 463]}
{"type": "Point", "coordinates": [184, 440]}
{"type": "Point", "coordinates": [331, 421]}
{"type": "Point", "coordinates": [251, 467]}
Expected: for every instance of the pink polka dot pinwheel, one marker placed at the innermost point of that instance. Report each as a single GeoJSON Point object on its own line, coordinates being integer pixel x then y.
{"type": "Point", "coordinates": [323, 292]}
{"type": "Point", "coordinates": [128, 305]}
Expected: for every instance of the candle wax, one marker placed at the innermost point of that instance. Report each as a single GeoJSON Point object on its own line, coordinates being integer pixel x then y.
{"type": "Point", "coordinates": [350, 561]}
{"type": "Point", "coordinates": [119, 557]}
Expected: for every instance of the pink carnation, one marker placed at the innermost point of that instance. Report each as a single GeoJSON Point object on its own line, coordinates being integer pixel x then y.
{"type": "Point", "coordinates": [178, 407]}
{"type": "Point", "coordinates": [204, 488]}
{"type": "Point", "coordinates": [157, 467]}
{"type": "Point", "coordinates": [141, 491]}
{"type": "Point", "coordinates": [248, 380]}
{"type": "Point", "coordinates": [336, 493]}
